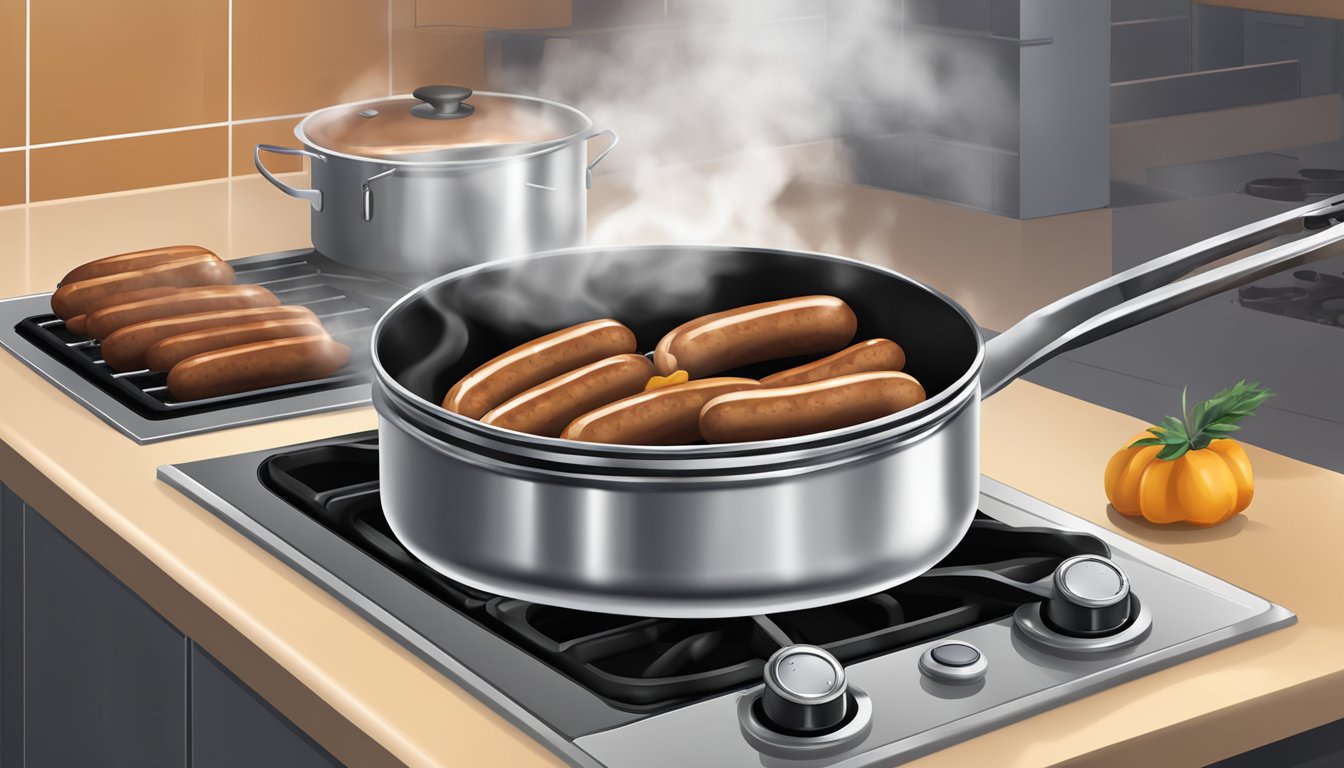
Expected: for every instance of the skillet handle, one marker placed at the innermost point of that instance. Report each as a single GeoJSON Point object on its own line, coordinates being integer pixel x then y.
{"type": "Point", "coordinates": [1155, 288]}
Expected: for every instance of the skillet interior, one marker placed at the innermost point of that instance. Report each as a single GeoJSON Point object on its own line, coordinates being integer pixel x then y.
{"type": "Point", "coordinates": [431, 340]}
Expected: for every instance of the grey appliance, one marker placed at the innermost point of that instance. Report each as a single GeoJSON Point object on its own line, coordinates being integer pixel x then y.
{"type": "Point", "coordinates": [973, 644]}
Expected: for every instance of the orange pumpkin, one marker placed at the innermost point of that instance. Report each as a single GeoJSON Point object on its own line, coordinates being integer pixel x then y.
{"type": "Point", "coordinates": [1204, 487]}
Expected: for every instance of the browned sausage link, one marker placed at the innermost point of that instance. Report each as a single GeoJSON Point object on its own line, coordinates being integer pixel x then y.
{"type": "Point", "coordinates": [530, 364]}
{"type": "Point", "coordinates": [664, 416]}
{"type": "Point", "coordinates": [127, 348]}
{"type": "Point", "coordinates": [804, 409]}
{"type": "Point", "coordinates": [256, 366]}
{"type": "Point", "coordinates": [79, 323]}
{"type": "Point", "coordinates": [78, 298]}
{"type": "Point", "coordinates": [805, 325]}
{"type": "Point", "coordinates": [166, 353]}
{"type": "Point", "coordinates": [125, 262]}
{"type": "Point", "coordinates": [103, 322]}
{"type": "Point", "coordinates": [546, 408]}
{"type": "Point", "coordinates": [870, 355]}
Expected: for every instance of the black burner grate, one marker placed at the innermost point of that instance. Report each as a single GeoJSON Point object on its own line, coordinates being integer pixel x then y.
{"type": "Point", "coordinates": [347, 301]}
{"type": "Point", "coordinates": [654, 665]}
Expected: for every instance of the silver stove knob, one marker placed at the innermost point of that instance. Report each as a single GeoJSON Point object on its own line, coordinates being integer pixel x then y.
{"type": "Point", "coordinates": [1091, 596]}
{"type": "Point", "coordinates": [804, 689]}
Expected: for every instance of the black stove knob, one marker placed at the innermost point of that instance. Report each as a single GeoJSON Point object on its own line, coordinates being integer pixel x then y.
{"type": "Point", "coordinates": [1091, 597]}
{"type": "Point", "coordinates": [804, 690]}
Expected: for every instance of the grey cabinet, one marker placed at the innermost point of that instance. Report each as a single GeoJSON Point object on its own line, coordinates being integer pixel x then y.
{"type": "Point", "coordinates": [104, 675]}
{"type": "Point", "coordinates": [90, 675]}
{"type": "Point", "coordinates": [232, 726]}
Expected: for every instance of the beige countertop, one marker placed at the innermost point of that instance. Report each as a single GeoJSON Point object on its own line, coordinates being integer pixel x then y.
{"type": "Point", "coordinates": [327, 669]}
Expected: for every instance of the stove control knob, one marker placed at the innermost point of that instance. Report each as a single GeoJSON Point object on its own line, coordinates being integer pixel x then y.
{"type": "Point", "coordinates": [954, 662]}
{"type": "Point", "coordinates": [804, 690]}
{"type": "Point", "coordinates": [1091, 597]}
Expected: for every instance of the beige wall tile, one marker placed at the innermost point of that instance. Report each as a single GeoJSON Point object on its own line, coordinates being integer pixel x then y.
{"type": "Point", "coordinates": [102, 68]}
{"type": "Point", "coordinates": [266, 220]}
{"type": "Point", "coordinates": [14, 251]}
{"type": "Point", "coordinates": [75, 231]}
{"type": "Point", "coordinates": [12, 55]}
{"type": "Point", "coordinates": [427, 55]}
{"type": "Point", "coordinates": [11, 178]}
{"type": "Point", "coordinates": [300, 55]}
{"type": "Point", "coordinates": [493, 14]}
{"type": "Point", "coordinates": [146, 161]}
{"type": "Point", "coordinates": [248, 135]}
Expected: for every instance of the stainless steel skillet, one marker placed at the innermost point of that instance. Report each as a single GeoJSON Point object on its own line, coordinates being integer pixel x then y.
{"type": "Point", "coordinates": [736, 529]}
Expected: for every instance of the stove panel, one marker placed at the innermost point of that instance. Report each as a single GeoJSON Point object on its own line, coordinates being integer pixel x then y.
{"type": "Point", "coordinates": [629, 691]}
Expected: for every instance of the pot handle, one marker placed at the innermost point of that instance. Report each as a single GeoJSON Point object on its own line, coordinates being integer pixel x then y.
{"type": "Point", "coordinates": [588, 179]}
{"type": "Point", "coordinates": [368, 191]}
{"type": "Point", "coordinates": [313, 196]}
{"type": "Point", "coordinates": [1155, 288]}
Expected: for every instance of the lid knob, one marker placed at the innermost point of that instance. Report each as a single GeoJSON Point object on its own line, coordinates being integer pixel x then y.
{"type": "Point", "coordinates": [442, 102]}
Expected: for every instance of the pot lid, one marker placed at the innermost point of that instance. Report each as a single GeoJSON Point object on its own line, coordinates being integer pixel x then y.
{"type": "Point", "coordinates": [442, 123]}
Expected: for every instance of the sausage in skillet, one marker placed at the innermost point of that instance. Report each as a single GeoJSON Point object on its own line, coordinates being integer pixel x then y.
{"type": "Point", "coordinates": [77, 298]}
{"type": "Point", "coordinates": [537, 361]}
{"type": "Point", "coordinates": [769, 414]}
{"type": "Point", "coordinates": [166, 353]}
{"type": "Point", "coordinates": [255, 366]}
{"type": "Point", "coordinates": [126, 262]}
{"type": "Point", "coordinates": [127, 348]}
{"type": "Point", "coordinates": [547, 408]}
{"type": "Point", "coordinates": [207, 298]}
{"type": "Point", "coordinates": [722, 341]}
{"type": "Point", "coordinates": [667, 415]}
{"type": "Point", "coordinates": [79, 323]}
{"type": "Point", "coordinates": [871, 355]}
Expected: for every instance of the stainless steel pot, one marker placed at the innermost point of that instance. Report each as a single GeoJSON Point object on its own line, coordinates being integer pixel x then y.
{"type": "Point", "coordinates": [432, 183]}
{"type": "Point", "coordinates": [733, 529]}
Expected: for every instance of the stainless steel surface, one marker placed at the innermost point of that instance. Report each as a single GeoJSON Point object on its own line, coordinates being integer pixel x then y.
{"type": "Point", "coordinates": [453, 209]}
{"type": "Point", "coordinates": [763, 541]}
{"type": "Point", "coordinates": [729, 529]}
{"type": "Point", "coordinates": [958, 674]}
{"type": "Point", "coordinates": [140, 428]}
{"type": "Point", "coordinates": [769, 741]}
{"type": "Point", "coordinates": [313, 196]}
{"type": "Point", "coordinates": [911, 715]}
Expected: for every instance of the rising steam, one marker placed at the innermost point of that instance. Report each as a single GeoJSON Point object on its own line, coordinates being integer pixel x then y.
{"type": "Point", "coordinates": [723, 115]}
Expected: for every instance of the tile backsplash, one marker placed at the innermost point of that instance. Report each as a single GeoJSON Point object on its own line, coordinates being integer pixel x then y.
{"type": "Point", "coordinates": [108, 96]}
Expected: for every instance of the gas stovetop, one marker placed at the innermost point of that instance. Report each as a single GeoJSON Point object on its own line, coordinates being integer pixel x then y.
{"type": "Point", "coordinates": [137, 403]}
{"type": "Point", "coordinates": [634, 691]}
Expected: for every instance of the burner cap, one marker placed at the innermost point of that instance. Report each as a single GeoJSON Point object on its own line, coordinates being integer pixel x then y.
{"type": "Point", "coordinates": [955, 655]}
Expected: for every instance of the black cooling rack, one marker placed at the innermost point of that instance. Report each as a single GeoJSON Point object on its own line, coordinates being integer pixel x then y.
{"type": "Point", "coordinates": [347, 302]}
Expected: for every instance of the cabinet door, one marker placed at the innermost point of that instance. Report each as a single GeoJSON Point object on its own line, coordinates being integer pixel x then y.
{"type": "Point", "coordinates": [11, 628]}
{"type": "Point", "coordinates": [106, 676]}
{"type": "Point", "coordinates": [232, 726]}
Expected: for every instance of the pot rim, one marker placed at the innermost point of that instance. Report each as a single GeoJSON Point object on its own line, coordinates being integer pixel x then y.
{"type": "Point", "coordinates": [551, 145]}
{"type": "Point", "coordinates": [925, 415]}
